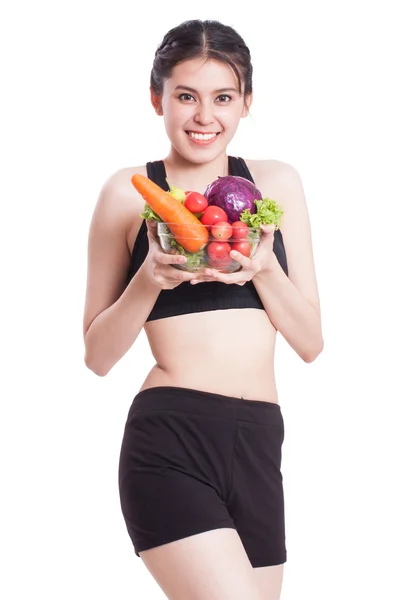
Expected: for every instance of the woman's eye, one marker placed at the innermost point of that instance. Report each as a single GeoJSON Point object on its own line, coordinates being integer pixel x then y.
{"type": "Point", "coordinates": [186, 97]}
{"type": "Point", "coordinates": [224, 98]}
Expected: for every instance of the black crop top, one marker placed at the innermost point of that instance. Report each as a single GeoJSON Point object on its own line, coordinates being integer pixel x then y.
{"type": "Point", "coordinates": [209, 295]}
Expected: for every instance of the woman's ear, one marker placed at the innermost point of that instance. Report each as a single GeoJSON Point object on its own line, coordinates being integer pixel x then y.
{"type": "Point", "coordinates": [156, 102]}
{"type": "Point", "coordinates": [248, 101]}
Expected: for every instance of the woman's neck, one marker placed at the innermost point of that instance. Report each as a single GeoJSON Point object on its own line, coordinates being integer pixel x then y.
{"type": "Point", "coordinates": [191, 176]}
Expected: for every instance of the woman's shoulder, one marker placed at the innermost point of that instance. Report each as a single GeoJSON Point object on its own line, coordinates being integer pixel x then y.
{"type": "Point", "coordinates": [275, 178]}
{"type": "Point", "coordinates": [118, 203]}
{"type": "Point", "coordinates": [117, 192]}
{"type": "Point", "coordinates": [119, 182]}
{"type": "Point", "coordinates": [269, 168]}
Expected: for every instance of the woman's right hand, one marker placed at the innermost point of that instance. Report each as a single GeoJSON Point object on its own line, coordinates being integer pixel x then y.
{"type": "Point", "coordinates": [159, 265]}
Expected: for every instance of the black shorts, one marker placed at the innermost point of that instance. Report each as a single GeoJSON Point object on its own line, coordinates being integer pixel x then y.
{"type": "Point", "coordinates": [193, 461]}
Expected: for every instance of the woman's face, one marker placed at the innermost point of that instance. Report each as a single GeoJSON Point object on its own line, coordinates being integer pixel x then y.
{"type": "Point", "coordinates": [202, 108]}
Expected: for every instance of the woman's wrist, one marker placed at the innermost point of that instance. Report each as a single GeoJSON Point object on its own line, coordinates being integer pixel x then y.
{"type": "Point", "coordinates": [146, 278]}
{"type": "Point", "coordinates": [272, 267]}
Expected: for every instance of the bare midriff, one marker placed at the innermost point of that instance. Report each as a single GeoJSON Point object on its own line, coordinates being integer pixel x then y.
{"type": "Point", "coordinates": [228, 352]}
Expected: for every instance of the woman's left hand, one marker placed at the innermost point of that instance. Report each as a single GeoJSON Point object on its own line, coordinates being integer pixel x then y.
{"type": "Point", "coordinates": [250, 266]}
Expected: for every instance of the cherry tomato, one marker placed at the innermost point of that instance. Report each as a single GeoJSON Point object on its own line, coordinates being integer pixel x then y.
{"type": "Point", "coordinates": [242, 247]}
{"type": "Point", "coordinates": [195, 202]}
{"type": "Point", "coordinates": [221, 230]}
{"type": "Point", "coordinates": [240, 230]}
{"type": "Point", "coordinates": [218, 250]}
{"type": "Point", "coordinates": [213, 214]}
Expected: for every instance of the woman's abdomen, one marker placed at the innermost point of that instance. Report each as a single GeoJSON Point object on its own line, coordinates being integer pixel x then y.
{"type": "Point", "coordinates": [227, 352]}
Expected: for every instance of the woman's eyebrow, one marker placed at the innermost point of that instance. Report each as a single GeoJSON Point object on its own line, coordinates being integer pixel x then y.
{"type": "Point", "coordinates": [190, 89]}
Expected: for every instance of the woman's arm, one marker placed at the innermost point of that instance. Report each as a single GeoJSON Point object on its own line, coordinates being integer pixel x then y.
{"type": "Point", "coordinates": [293, 315]}
{"type": "Point", "coordinates": [292, 304]}
{"type": "Point", "coordinates": [112, 333]}
{"type": "Point", "coordinates": [114, 314]}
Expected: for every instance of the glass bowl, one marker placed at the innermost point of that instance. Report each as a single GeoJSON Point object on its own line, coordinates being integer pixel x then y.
{"type": "Point", "coordinates": [213, 253]}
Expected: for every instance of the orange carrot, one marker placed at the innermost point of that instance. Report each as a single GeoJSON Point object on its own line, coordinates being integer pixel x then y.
{"type": "Point", "coordinates": [187, 229]}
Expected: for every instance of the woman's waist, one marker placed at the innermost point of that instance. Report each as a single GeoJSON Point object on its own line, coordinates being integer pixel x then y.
{"type": "Point", "coordinates": [191, 401]}
{"type": "Point", "coordinates": [237, 380]}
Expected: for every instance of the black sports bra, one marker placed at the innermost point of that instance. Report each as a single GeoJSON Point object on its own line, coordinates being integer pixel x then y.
{"type": "Point", "coordinates": [209, 295]}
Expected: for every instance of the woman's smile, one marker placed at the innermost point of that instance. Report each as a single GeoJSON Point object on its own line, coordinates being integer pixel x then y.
{"type": "Point", "coordinates": [202, 139]}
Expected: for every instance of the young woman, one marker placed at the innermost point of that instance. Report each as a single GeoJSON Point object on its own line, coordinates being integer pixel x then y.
{"type": "Point", "coordinates": [199, 475]}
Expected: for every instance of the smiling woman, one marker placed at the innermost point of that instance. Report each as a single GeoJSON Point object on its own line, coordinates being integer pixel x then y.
{"type": "Point", "coordinates": [195, 113]}
{"type": "Point", "coordinates": [199, 474]}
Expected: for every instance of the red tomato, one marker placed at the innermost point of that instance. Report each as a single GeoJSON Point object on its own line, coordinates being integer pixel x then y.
{"type": "Point", "coordinates": [219, 250]}
{"type": "Point", "coordinates": [213, 214]}
{"type": "Point", "coordinates": [220, 263]}
{"type": "Point", "coordinates": [242, 247]}
{"type": "Point", "coordinates": [221, 230]}
{"type": "Point", "coordinates": [195, 202]}
{"type": "Point", "coordinates": [240, 230]}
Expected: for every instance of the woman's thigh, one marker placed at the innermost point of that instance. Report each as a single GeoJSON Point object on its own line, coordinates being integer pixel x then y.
{"type": "Point", "coordinates": [269, 581]}
{"type": "Point", "coordinates": [208, 566]}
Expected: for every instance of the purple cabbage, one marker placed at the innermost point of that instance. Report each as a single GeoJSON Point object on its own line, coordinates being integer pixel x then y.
{"type": "Point", "coordinates": [233, 194]}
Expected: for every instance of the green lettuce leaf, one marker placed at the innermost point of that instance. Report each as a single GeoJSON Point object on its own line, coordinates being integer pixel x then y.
{"type": "Point", "coordinates": [149, 214]}
{"type": "Point", "coordinates": [193, 258]}
{"type": "Point", "coordinates": [267, 213]}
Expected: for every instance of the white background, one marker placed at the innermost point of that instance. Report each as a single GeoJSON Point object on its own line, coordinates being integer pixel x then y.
{"type": "Point", "coordinates": [75, 108]}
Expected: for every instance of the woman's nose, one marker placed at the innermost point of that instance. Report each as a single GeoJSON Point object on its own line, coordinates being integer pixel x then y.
{"type": "Point", "coordinates": [204, 115]}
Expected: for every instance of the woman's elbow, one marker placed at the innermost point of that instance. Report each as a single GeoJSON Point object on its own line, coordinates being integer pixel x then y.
{"type": "Point", "coordinates": [312, 353]}
{"type": "Point", "coordinates": [97, 369]}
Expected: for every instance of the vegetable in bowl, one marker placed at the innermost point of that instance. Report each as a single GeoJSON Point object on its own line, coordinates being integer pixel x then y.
{"type": "Point", "coordinates": [232, 210]}
{"type": "Point", "coordinates": [233, 194]}
{"type": "Point", "coordinates": [184, 225]}
{"type": "Point", "coordinates": [216, 252]}
{"type": "Point", "coordinates": [267, 213]}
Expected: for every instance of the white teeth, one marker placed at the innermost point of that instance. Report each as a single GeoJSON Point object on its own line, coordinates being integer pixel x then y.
{"type": "Point", "coordinates": [202, 136]}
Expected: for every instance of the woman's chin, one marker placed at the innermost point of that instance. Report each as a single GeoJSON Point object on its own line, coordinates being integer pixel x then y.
{"type": "Point", "coordinates": [198, 154]}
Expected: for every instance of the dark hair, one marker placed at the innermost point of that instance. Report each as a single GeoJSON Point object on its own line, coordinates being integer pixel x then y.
{"type": "Point", "coordinates": [202, 39]}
